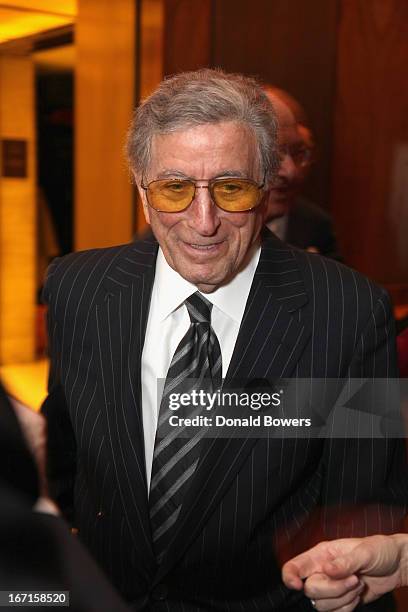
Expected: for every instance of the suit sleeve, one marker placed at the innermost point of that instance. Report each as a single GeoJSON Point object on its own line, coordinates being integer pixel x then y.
{"type": "Point", "coordinates": [61, 460]}
{"type": "Point", "coordinates": [366, 485]}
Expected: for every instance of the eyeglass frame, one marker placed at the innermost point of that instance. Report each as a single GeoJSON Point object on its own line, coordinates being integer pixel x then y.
{"type": "Point", "coordinates": [209, 185]}
{"type": "Point", "coordinates": [291, 152]}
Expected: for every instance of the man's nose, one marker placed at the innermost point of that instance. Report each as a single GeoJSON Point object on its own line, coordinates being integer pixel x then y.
{"type": "Point", "coordinates": [287, 168]}
{"type": "Point", "coordinates": [203, 214]}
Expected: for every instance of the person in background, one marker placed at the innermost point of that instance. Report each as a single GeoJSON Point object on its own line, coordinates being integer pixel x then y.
{"type": "Point", "coordinates": [291, 216]}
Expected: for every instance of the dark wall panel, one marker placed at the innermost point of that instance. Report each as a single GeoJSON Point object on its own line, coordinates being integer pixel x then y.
{"type": "Point", "coordinates": [370, 160]}
{"type": "Point", "coordinates": [187, 35]}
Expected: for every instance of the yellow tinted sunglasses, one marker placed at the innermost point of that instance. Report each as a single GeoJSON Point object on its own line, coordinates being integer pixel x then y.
{"type": "Point", "coordinates": [229, 194]}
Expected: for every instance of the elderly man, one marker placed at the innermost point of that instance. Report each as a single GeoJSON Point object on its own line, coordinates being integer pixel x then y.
{"type": "Point", "coordinates": [292, 217]}
{"type": "Point", "coordinates": [197, 524]}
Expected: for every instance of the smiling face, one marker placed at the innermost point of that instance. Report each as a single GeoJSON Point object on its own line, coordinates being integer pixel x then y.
{"type": "Point", "coordinates": [204, 244]}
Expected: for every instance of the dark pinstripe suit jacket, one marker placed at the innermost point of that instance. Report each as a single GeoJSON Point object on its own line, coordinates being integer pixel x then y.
{"type": "Point", "coordinates": [311, 226]}
{"type": "Point", "coordinates": [251, 502]}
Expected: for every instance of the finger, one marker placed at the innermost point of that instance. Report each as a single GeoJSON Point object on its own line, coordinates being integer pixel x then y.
{"type": "Point", "coordinates": [348, 564]}
{"type": "Point", "coordinates": [348, 608]}
{"type": "Point", "coordinates": [341, 604]}
{"type": "Point", "coordinates": [294, 571]}
{"type": "Point", "coordinates": [291, 576]}
{"type": "Point", "coordinates": [320, 586]}
{"type": "Point", "coordinates": [303, 565]}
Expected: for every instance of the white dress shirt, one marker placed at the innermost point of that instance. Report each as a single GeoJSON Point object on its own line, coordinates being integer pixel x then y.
{"type": "Point", "coordinates": [279, 226]}
{"type": "Point", "coordinates": [168, 322]}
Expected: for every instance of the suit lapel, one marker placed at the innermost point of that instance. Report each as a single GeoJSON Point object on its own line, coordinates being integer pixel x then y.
{"type": "Point", "coordinates": [121, 318]}
{"type": "Point", "coordinates": [269, 344]}
{"type": "Point", "coordinates": [271, 338]}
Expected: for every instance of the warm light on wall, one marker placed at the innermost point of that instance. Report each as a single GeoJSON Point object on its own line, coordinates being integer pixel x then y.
{"type": "Point", "coordinates": [21, 18]}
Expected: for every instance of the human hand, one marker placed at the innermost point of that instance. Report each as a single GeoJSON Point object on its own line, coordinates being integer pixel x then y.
{"type": "Point", "coordinates": [343, 573]}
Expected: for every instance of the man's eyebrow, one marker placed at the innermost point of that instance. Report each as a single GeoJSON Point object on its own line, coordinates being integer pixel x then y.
{"type": "Point", "coordinates": [223, 174]}
{"type": "Point", "coordinates": [232, 173]}
{"type": "Point", "coordinates": [172, 173]}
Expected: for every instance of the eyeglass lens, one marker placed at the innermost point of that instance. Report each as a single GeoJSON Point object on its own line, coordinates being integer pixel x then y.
{"type": "Point", "coordinates": [174, 195]}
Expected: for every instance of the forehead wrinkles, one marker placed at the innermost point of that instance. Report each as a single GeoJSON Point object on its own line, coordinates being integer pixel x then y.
{"type": "Point", "coordinates": [227, 146]}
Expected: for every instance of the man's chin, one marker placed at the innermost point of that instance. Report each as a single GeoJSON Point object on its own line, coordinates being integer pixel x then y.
{"type": "Point", "coordinates": [204, 277]}
{"type": "Point", "coordinates": [278, 209]}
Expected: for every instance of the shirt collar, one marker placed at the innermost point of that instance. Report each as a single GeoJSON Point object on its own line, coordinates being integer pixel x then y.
{"type": "Point", "coordinates": [171, 290]}
{"type": "Point", "coordinates": [279, 226]}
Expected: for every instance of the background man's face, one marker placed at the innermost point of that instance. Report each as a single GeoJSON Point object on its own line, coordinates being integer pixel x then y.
{"type": "Point", "coordinates": [308, 142]}
{"type": "Point", "coordinates": [290, 175]}
{"type": "Point", "coordinates": [203, 243]}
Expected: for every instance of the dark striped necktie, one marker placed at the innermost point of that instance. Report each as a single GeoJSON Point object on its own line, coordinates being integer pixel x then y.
{"type": "Point", "coordinates": [196, 364]}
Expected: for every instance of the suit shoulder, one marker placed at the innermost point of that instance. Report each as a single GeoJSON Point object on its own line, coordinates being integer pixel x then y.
{"type": "Point", "coordinates": [306, 209]}
{"type": "Point", "coordinates": [80, 268]}
{"type": "Point", "coordinates": [327, 277]}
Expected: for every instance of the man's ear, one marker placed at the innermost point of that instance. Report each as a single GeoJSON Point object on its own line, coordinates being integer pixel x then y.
{"type": "Point", "coordinates": [142, 195]}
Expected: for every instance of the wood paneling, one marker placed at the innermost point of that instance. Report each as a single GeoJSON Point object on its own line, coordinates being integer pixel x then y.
{"type": "Point", "coordinates": [188, 35]}
{"type": "Point", "coordinates": [150, 71]}
{"type": "Point", "coordinates": [151, 46]}
{"type": "Point", "coordinates": [17, 216]}
{"type": "Point", "coordinates": [370, 160]}
{"type": "Point", "coordinates": [104, 99]}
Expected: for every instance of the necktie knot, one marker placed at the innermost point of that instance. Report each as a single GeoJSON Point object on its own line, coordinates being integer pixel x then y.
{"type": "Point", "coordinates": [199, 308]}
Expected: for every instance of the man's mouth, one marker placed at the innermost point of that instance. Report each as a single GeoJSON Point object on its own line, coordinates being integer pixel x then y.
{"type": "Point", "coordinates": [281, 188]}
{"type": "Point", "coordinates": [204, 247]}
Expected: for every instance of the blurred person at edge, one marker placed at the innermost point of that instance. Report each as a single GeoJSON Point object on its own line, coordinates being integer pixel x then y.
{"type": "Point", "coordinates": [292, 217]}
{"type": "Point", "coordinates": [37, 551]}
